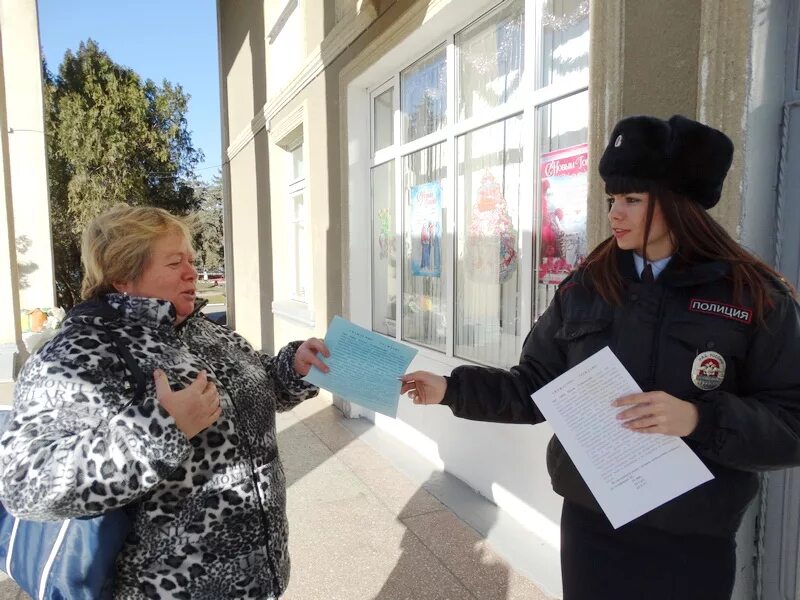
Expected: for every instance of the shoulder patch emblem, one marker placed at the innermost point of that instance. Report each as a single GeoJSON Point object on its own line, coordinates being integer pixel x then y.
{"type": "Point", "coordinates": [742, 314]}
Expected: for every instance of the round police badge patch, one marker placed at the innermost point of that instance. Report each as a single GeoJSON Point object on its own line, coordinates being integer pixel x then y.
{"type": "Point", "coordinates": [708, 370]}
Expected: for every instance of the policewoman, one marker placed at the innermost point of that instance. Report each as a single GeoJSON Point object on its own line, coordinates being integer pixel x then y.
{"type": "Point", "coordinates": [708, 331]}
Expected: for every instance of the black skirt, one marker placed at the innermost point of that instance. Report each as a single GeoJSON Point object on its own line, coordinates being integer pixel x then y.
{"type": "Point", "coordinates": [636, 562]}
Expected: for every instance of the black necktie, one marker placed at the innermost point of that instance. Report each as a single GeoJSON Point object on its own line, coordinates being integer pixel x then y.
{"type": "Point", "coordinates": [647, 274]}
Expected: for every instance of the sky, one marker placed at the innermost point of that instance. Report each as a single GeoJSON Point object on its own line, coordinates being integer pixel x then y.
{"type": "Point", "coordinates": [159, 39]}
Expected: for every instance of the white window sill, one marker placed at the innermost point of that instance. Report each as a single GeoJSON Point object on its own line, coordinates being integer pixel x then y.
{"type": "Point", "coordinates": [294, 310]}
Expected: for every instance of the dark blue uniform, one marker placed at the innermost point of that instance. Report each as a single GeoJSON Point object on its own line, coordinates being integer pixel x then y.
{"type": "Point", "coordinates": [749, 419]}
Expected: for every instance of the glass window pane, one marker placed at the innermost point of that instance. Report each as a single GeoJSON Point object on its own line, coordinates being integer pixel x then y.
{"type": "Point", "coordinates": [487, 231]}
{"type": "Point", "coordinates": [564, 42]}
{"type": "Point", "coordinates": [382, 120]}
{"type": "Point", "coordinates": [384, 254]}
{"type": "Point", "coordinates": [563, 172]}
{"type": "Point", "coordinates": [297, 163]}
{"type": "Point", "coordinates": [300, 247]}
{"type": "Point", "coordinates": [425, 264]}
{"type": "Point", "coordinates": [423, 101]}
{"type": "Point", "coordinates": [490, 54]}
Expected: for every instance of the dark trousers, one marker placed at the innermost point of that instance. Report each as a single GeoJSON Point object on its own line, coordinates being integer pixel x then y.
{"type": "Point", "coordinates": [636, 562]}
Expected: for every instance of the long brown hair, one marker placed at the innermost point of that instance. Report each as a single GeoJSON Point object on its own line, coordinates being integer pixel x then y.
{"type": "Point", "coordinates": [697, 238]}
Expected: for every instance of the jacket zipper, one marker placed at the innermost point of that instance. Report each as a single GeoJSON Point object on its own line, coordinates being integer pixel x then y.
{"type": "Point", "coordinates": [262, 513]}
{"type": "Point", "coordinates": [253, 478]}
{"type": "Point", "coordinates": [656, 340]}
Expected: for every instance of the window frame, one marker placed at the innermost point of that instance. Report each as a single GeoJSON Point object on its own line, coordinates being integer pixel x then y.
{"type": "Point", "coordinates": [287, 135]}
{"type": "Point", "coordinates": [526, 103]}
{"type": "Point", "coordinates": [297, 187]}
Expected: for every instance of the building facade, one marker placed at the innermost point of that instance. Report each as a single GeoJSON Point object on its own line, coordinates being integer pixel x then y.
{"type": "Point", "coordinates": [427, 169]}
{"type": "Point", "coordinates": [26, 249]}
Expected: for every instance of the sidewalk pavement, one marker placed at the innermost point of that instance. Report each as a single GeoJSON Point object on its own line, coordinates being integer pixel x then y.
{"type": "Point", "coordinates": [362, 529]}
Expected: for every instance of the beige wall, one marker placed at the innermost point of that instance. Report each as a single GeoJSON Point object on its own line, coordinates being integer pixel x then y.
{"type": "Point", "coordinates": [322, 302]}
{"type": "Point", "coordinates": [11, 348]}
{"type": "Point", "coordinates": [257, 171]}
{"type": "Point", "coordinates": [314, 18]}
{"type": "Point", "coordinates": [661, 51]}
{"type": "Point", "coordinates": [324, 150]}
{"type": "Point", "coordinates": [242, 60]}
{"type": "Point", "coordinates": [26, 143]}
{"type": "Point", "coordinates": [723, 85]}
{"type": "Point", "coordinates": [647, 57]}
{"type": "Point", "coordinates": [26, 256]}
{"type": "Point", "coordinates": [662, 58]}
{"type": "Point", "coordinates": [252, 243]}
{"type": "Point", "coordinates": [246, 178]}
{"type": "Point", "coordinates": [644, 60]}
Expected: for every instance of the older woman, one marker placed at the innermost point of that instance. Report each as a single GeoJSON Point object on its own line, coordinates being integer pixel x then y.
{"type": "Point", "coordinates": [197, 452]}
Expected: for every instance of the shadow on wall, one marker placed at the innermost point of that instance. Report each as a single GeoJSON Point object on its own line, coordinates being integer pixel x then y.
{"type": "Point", "coordinates": [25, 269]}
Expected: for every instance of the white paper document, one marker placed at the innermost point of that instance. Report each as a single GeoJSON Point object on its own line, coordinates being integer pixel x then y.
{"type": "Point", "coordinates": [629, 473]}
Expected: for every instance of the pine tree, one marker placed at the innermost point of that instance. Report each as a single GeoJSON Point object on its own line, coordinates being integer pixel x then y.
{"type": "Point", "coordinates": [111, 138]}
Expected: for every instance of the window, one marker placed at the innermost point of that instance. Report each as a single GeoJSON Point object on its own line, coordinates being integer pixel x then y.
{"type": "Point", "coordinates": [424, 96]}
{"type": "Point", "coordinates": [383, 124]}
{"type": "Point", "coordinates": [425, 278]}
{"type": "Point", "coordinates": [384, 254]}
{"type": "Point", "coordinates": [290, 193]}
{"type": "Point", "coordinates": [489, 163]}
{"type": "Point", "coordinates": [562, 120]}
{"type": "Point", "coordinates": [462, 142]}
{"type": "Point", "coordinates": [298, 235]}
{"type": "Point", "coordinates": [490, 64]}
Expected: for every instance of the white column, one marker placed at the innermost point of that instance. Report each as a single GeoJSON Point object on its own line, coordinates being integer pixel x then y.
{"type": "Point", "coordinates": [27, 152]}
{"type": "Point", "coordinates": [11, 348]}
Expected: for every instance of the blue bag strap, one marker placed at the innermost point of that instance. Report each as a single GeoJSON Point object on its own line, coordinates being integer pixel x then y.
{"type": "Point", "coordinates": [140, 382]}
{"type": "Point", "coordinates": [110, 316]}
{"type": "Point", "coordinates": [74, 563]}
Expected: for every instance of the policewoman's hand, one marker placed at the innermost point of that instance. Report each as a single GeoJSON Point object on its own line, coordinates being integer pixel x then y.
{"type": "Point", "coordinates": [424, 387]}
{"type": "Point", "coordinates": [306, 356]}
{"type": "Point", "coordinates": [194, 408]}
{"type": "Point", "coordinates": [658, 412]}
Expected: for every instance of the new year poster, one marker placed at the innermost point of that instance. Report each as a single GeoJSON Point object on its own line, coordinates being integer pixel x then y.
{"type": "Point", "coordinates": [564, 175]}
{"type": "Point", "coordinates": [425, 226]}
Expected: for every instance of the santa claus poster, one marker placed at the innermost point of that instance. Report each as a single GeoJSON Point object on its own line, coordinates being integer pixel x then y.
{"type": "Point", "coordinates": [562, 239]}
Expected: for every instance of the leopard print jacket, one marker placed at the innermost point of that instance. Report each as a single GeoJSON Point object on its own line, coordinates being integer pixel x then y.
{"type": "Point", "coordinates": [210, 512]}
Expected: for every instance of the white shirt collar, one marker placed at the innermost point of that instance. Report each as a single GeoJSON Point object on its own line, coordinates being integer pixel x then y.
{"type": "Point", "coordinates": [658, 265]}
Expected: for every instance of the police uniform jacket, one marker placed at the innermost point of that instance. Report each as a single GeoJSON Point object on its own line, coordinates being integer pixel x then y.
{"type": "Point", "coordinates": [749, 415]}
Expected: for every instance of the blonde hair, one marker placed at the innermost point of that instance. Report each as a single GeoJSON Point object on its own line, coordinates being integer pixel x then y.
{"type": "Point", "coordinates": [116, 245]}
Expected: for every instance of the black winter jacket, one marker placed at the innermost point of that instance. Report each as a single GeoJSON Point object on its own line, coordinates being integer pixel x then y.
{"type": "Point", "coordinates": [751, 422]}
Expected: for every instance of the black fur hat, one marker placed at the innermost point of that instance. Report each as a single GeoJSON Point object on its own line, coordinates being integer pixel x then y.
{"type": "Point", "coordinates": [683, 155]}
